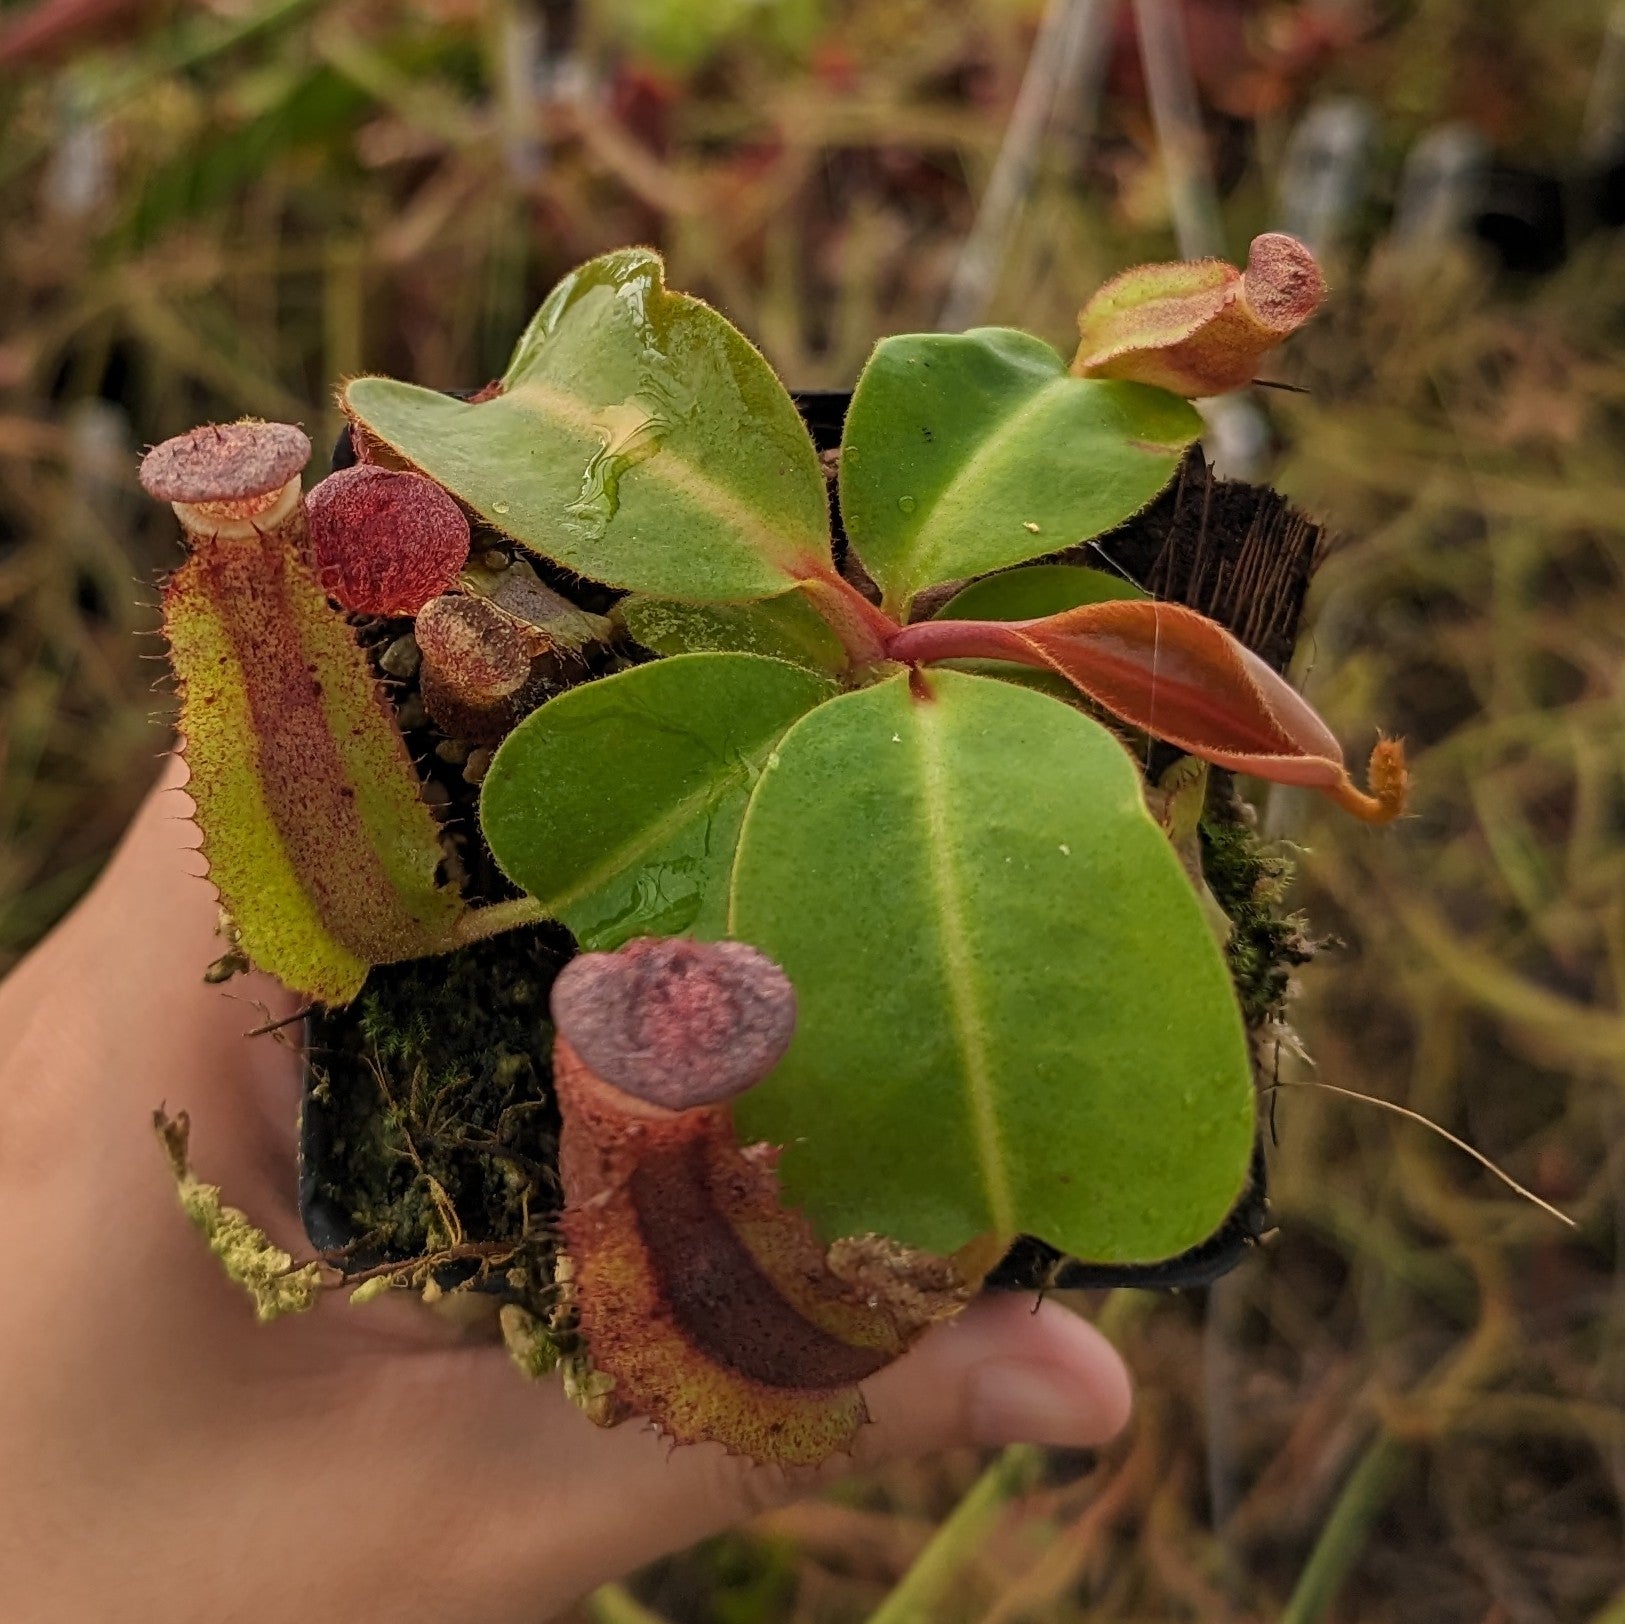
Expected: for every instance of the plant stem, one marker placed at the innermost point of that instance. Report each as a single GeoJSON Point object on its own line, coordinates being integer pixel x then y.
{"type": "Point", "coordinates": [480, 923]}
{"type": "Point", "coordinates": [615, 1604]}
{"type": "Point", "coordinates": [961, 640]}
{"type": "Point", "coordinates": [1370, 1486]}
{"type": "Point", "coordinates": [918, 1596]}
{"type": "Point", "coordinates": [1066, 67]}
{"type": "Point", "coordinates": [1177, 119]}
{"type": "Point", "coordinates": [863, 629]}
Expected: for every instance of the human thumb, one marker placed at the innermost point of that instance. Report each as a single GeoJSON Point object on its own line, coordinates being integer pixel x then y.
{"type": "Point", "coordinates": [1001, 1373]}
{"type": "Point", "coordinates": [1007, 1371]}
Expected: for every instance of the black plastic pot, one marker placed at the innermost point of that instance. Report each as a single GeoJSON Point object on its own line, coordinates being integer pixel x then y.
{"type": "Point", "coordinates": [1030, 1264]}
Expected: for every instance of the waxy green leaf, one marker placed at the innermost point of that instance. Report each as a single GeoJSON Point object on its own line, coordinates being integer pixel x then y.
{"type": "Point", "coordinates": [1013, 1016]}
{"type": "Point", "coordinates": [636, 437]}
{"type": "Point", "coordinates": [618, 803]}
{"type": "Point", "coordinates": [1035, 591]}
{"type": "Point", "coordinates": [783, 628]}
{"type": "Point", "coordinates": [965, 453]}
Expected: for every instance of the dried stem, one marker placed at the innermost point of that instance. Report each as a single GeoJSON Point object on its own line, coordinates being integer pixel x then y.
{"type": "Point", "coordinates": [1444, 1133]}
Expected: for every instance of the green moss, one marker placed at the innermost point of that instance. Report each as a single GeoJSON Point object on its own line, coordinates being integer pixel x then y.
{"type": "Point", "coordinates": [246, 1252]}
{"type": "Point", "coordinates": [1249, 880]}
{"type": "Point", "coordinates": [531, 1345]}
{"type": "Point", "coordinates": [431, 1126]}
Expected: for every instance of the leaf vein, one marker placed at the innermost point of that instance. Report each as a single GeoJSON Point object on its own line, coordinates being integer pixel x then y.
{"type": "Point", "coordinates": [683, 812]}
{"type": "Point", "coordinates": [670, 469]}
{"type": "Point", "coordinates": [965, 1004]}
{"type": "Point", "coordinates": [919, 558]}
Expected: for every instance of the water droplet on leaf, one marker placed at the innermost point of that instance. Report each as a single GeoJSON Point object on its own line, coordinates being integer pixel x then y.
{"type": "Point", "coordinates": [665, 901]}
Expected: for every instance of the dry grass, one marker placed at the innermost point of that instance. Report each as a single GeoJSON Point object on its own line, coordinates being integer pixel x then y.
{"type": "Point", "coordinates": [1412, 1405]}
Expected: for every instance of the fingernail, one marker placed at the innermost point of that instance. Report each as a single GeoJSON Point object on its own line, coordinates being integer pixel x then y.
{"type": "Point", "coordinates": [1021, 1403]}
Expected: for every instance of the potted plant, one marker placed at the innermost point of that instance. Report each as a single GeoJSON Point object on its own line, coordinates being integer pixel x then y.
{"type": "Point", "coordinates": [731, 942]}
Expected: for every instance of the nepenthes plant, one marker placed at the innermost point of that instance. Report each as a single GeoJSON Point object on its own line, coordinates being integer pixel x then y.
{"type": "Point", "coordinates": [746, 896]}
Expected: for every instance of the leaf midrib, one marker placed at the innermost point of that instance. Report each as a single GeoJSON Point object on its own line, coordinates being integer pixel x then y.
{"type": "Point", "coordinates": [781, 547]}
{"type": "Point", "coordinates": [681, 813]}
{"type": "Point", "coordinates": [968, 1022]}
{"type": "Point", "coordinates": [917, 555]}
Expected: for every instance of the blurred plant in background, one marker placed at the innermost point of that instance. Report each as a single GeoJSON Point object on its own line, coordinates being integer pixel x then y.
{"type": "Point", "coordinates": [1411, 1404]}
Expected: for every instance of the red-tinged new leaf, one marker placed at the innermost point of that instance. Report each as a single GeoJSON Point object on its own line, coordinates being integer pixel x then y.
{"type": "Point", "coordinates": [715, 1310]}
{"type": "Point", "coordinates": [1179, 676]}
{"type": "Point", "coordinates": [1199, 327]}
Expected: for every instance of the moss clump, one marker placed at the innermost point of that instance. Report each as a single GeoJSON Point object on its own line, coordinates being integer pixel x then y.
{"type": "Point", "coordinates": [1249, 880]}
{"type": "Point", "coordinates": [246, 1252]}
{"type": "Point", "coordinates": [431, 1133]}
{"type": "Point", "coordinates": [530, 1343]}
{"type": "Point", "coordinates": [539, 1347]}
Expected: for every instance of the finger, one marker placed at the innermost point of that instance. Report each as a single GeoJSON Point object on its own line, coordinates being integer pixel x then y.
{"type": "Point", "coordinates": [147, 896]}
{"type": "Point", "coordinates": [110, 1017]}
{"type": "Point", "coordinates": [999, 1374]}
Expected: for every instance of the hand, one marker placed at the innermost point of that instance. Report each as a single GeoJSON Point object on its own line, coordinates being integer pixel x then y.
{"type": "Point", "coordinates": [168, 1458]}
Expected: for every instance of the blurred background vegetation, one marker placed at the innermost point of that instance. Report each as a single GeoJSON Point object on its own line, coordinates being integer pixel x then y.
{"type": "Point", "coordinates": [1410, 1405]}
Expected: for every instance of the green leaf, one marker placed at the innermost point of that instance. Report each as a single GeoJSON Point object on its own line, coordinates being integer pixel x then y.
{"type": "Point", "coordinates": [783, 628]}
{"type": "Point", "coordinates": [618, 803]}
{"type": "Point", "coordinates": [965, 453]}
{"type": "Point", "coordinates": [1023, 676]}
{"type": "Point", "coordinates": [637, 438]}
{"type": "Point", "coordinates": [1013, 1016]}
{"type": "Point", "coordinates": [314, 108]}
{"type": "Point", "coordinates": [1036, 591]}
{"type": "Point", "coordinates": [683, 35]}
